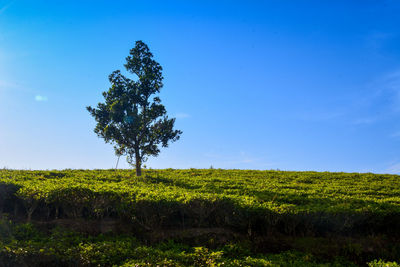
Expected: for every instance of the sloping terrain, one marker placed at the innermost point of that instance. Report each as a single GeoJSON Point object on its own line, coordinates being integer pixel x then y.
{"type": "Point", "coordinates": [325, 216]}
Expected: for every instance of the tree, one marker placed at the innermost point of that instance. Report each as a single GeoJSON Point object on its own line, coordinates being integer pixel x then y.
{"type": "Point", "coordinates": [131, 119]}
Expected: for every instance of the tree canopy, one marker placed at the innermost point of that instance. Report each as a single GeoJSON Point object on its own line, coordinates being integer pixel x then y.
{"type": "Point", "coordinates": [132, 117]}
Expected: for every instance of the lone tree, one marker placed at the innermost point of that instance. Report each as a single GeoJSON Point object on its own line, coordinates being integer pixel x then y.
{"type": "Point", "coordinates": [131, 118]}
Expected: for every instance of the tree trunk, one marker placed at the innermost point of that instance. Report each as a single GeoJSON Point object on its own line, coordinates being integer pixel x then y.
{"type": "Point", "coordinates": [138, 165]}
{"type": "Point", "coordinates": [116, 166]}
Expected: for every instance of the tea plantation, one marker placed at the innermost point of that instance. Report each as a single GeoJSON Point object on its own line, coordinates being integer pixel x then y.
{"type": "Point", "coordinates": [193, 217]}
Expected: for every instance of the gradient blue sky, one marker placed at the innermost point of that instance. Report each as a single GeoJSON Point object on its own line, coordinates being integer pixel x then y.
{"type": "Point", "coordinates": [290, 85]}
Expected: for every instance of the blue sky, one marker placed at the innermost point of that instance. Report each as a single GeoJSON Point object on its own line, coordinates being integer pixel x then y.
{"type": "Point", "coordinates": [290, 85]}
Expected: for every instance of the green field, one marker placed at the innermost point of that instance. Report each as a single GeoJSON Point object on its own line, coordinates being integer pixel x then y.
{"type": "Point", "coordinates": [267, 217]}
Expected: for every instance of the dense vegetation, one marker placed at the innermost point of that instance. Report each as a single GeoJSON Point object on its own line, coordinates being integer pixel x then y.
{"type": "Point", "coordinates": [323, 215]}
{"type": "Point", "coordinates": [24, 245]}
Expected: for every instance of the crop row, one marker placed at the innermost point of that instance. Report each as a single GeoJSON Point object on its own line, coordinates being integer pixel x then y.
{"type": "Point", "coordinates": [294, 203]}
{"type": "Point", "coordinates": [24, 245]}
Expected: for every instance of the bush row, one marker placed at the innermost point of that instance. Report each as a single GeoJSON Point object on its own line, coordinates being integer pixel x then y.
{"type": "Point", "coordinates": [24, 245]}
{"type": "Point", "coordinates": [251, 202]}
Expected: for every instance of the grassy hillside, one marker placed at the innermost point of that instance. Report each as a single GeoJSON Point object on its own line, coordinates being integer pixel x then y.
{"type": "Point", "coordinates": [324, 215]}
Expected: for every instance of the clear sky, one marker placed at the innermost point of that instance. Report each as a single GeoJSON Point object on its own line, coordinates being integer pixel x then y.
{"type": "Point", "coordinates": [289, 85]}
